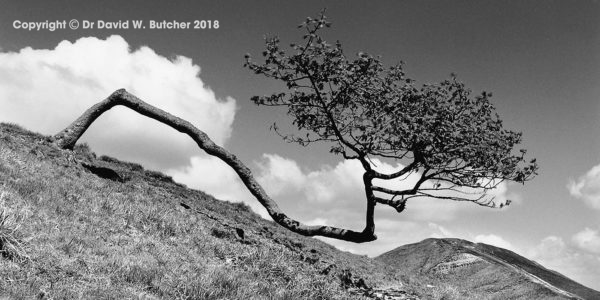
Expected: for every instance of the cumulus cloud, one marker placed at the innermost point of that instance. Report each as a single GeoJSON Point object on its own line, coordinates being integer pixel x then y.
{"type": "Point", "coordinates": [210, 174]}
{"type": "Point", "coordinates": [494, 240]}
{"type": "Point", "coordinates": [555, 254]}
{"type": "Point", "coordinates": [279, 174]}
{"type": "Point", "coordinates": [327, 193]}
{"type": "Point", "coordinates": [339, 191]}
{"type": "Point", "coordinates": [46, 89]}
{"type": "Point", "coordinates": [588, 240]}
{"type": "Point", "coordinates": [439, 231]}
{"type": "Point", "coordinates": [587, 187]}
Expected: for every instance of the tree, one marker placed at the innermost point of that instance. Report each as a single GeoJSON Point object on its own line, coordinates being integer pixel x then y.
{"type": "Point", "coordinates": [451, 141]}
{"type": "Point", "coordinates": [364, 110]}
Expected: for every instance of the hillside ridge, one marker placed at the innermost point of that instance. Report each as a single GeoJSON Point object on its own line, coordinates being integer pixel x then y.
{"type": "Point", "coordinates": [453, 258]}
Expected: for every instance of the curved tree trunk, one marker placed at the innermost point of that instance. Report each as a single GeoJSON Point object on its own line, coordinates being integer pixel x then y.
{"type": "Point", "coordinates": [67, 138]}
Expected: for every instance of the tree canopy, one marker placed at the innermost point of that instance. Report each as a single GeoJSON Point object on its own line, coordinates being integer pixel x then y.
{"type": "Point", "coordinates": [364, 110]}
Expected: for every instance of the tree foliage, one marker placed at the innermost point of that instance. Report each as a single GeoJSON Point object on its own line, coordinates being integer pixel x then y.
{"type": "Point", "coordinates": [454, 142]}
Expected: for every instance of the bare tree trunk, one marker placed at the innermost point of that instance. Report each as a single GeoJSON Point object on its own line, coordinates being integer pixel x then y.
{"type": "Point", "coordinates": [67, 138]}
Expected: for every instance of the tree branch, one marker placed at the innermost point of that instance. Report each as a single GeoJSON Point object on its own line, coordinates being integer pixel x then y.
{"type": "Point", "coordinates": [403, 192]}
{"type": "Point", "coordinates": [399, 205]}
{"type": "Point", "coordinates": [67, 138]}
{"type": "Point", "coordinates": [361, 154]}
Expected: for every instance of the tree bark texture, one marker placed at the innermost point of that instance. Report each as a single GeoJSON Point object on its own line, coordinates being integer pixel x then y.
{"type": "Point", "coordinates": [67, 138]}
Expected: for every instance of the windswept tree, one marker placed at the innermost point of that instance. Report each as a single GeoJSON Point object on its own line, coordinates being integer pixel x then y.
{"type": "Point", "coordinates": [453, 143]}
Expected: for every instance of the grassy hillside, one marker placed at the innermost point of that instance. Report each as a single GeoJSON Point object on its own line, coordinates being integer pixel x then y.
{"type": "Point", "coordinates": [76, 226]}
{"type": "Point", "coordinates": [480, 271]}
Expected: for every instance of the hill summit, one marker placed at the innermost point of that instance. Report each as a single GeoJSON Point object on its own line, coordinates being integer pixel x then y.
{"type": "Point", "coordinates": [483, 269]}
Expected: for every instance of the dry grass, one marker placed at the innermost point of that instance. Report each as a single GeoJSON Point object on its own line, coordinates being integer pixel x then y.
{"type": "Point", "coordinates": [12, 244]}
{"type": "Point", "coordinates": [67, 234]}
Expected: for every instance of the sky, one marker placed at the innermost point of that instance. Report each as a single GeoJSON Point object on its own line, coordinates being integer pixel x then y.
{"type": "Point", "coordinates": [540, 59]}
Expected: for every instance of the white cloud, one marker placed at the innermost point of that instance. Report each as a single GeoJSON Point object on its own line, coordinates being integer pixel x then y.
{"type": "Point", "coordinates": [46, 89]}
{"type": "Point", "coordinates": [494, 240]}
{"type": "Point", "coordinates": [279, 174]}
{"type": "Point", "coordinates": [587, 187]}
{"type": "Point", "coordinates": [318, 221]}
{"type": "Point", "coordinates": [588, 240]}
{"type": "Point", "coordinates": [210, 174]}
{"type": "Point", "coordinates": [554, 253]}
{"type": "Point", "coordinates": [440, 232]}
{"type": "Point", "coordinates": [340, 189]}
{"type": "Point", "coordinates": [330, 192]}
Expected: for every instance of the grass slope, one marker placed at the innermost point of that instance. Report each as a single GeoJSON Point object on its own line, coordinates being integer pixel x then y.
{"type": "Point", "coordinates": [77, 226]}
{"type": "Point", "coordinates": [67, 233]}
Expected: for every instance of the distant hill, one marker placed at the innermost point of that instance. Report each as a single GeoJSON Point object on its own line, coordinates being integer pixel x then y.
{"type": "Point", "coordinates": [483, 270]}
{"type": "Point", "coordinates": [74, 225]}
